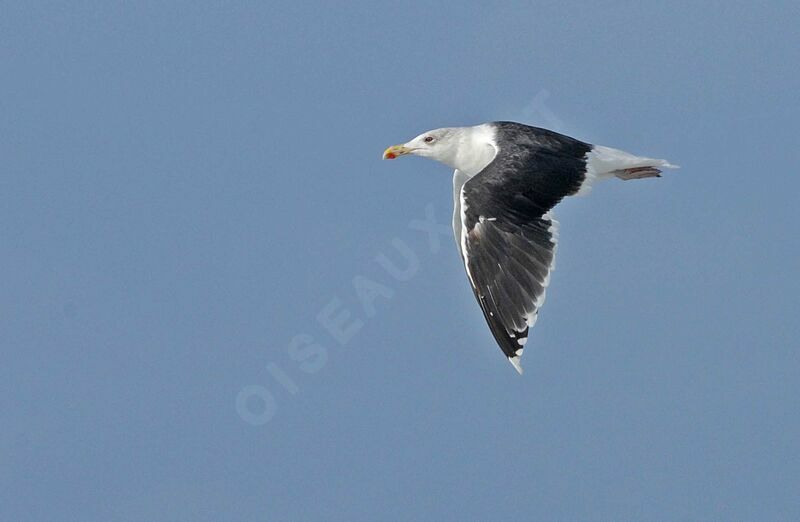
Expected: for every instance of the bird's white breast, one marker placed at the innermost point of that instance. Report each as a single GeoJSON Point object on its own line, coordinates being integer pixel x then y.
{"type": "Point", "coordinates": [476, 149]}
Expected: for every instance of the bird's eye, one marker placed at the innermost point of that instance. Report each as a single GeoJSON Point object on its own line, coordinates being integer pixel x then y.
{"type": "Point", "coordinates": [428, 139]}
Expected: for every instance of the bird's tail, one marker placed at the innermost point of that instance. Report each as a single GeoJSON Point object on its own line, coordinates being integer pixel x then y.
{"type": "Point", "coordinates": [605, 162]}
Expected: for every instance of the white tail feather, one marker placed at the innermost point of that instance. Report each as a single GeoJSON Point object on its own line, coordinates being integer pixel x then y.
{"type": "Point", "coordinates": [605, 162]}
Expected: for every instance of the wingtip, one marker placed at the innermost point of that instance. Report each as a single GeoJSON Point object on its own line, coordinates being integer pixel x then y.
{"type": "Point", "coordinates": [516, 364]}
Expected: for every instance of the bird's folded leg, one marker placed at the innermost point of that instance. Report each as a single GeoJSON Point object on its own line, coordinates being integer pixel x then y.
{"type": "Point", "coordinates": [637, 173]}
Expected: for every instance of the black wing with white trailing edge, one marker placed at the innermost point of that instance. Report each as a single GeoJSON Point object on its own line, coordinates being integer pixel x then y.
{"type": "Point", "coordinates": [508, 237]}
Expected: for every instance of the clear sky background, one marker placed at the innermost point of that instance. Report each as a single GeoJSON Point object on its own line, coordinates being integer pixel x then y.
{"type": "Point", "coordinates": [187, 188]}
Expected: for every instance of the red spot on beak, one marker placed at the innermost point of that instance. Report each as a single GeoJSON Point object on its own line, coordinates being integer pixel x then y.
{"type": "Point", "coordinates": [390, 155]}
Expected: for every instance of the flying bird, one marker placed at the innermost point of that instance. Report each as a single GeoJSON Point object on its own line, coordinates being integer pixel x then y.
{"type": "Point", "coordinates": [508, 177]}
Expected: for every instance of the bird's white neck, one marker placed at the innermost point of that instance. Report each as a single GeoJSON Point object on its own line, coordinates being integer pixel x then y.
{"type": "Point", "coordinates": [473, 148]}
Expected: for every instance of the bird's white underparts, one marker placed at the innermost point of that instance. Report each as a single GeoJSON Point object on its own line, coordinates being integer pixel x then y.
{"type": "Point", "coordinates": [508, 177]}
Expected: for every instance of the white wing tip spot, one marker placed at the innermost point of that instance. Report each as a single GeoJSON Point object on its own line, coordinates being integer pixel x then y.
{"type": "Point", "coordinates": [515, 362]}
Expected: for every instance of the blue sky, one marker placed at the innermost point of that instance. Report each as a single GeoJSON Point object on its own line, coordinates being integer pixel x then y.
{"type": "Point", "coordinates": [193, 202]}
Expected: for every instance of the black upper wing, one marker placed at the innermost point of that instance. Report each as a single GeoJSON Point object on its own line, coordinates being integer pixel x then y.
{"type": "Point", "coordinates": [508, 237]}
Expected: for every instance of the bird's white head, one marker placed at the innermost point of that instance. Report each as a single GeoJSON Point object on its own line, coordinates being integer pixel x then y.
{"type": "Point", "coordinates": [438, 144]}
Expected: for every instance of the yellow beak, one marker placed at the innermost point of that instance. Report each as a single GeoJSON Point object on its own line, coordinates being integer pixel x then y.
{"type": "Point", "coordinates": [394, 151]}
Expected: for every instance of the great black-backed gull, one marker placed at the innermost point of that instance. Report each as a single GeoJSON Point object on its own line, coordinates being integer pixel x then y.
{"type": "Point", "coordinates": [508, 176]}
